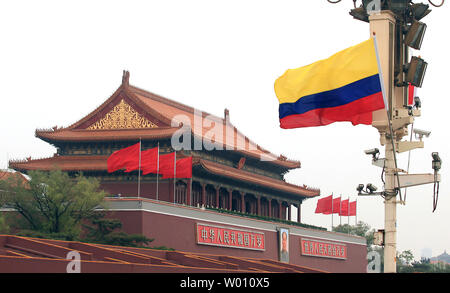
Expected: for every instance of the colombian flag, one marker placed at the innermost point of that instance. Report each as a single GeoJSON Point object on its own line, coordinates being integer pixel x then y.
{"type": "Point", "coordinates": [344, 87]}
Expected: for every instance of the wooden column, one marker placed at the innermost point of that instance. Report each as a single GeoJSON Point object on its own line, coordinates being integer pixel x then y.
{"type": "Point", "coordinates": [230, 199]}
{"type": "Point", "coordinates": [171, 191]}
{"type": "Point", "coordinates": [242, 202]}
{"type": "Point", "coordinates": [217, 196]}
{"type": "Point", "coordinates": [269, 200]}
{"type": "Point", "coordinates": [289, 212]}
{"type": "Point", "coordinates": [299, 212]}
{"type": "Point", "coordinates": [203, 194]}
{"type": "Point", "coordinates": [280, 209]}
{"type": "Point", "coordinates": [189, 192]}
{"type": "Point", "coordinates": [258, 205]}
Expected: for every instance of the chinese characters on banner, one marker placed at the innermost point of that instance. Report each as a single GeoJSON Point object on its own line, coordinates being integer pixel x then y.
{"type": "Point", "coordinates": [227, 237]}
{"type": "Point", "coordinates": [311, 247]}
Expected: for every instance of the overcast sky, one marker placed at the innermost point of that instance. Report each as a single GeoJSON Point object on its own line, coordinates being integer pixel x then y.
{"type": "Point", "coordinates": [59, 61]}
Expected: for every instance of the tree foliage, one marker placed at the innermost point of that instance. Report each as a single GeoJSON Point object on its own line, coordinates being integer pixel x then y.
{"type": "Point", "coordinates": [57, 206]}
{"type": "Point", "coordinates": [4, 228]}
{"type": "Point", "coordinates": [52, 202]}
{"type": "Point", "coordinates": [360, 229]}
{"type": "Point", "coordinates": [406, 257]}
{"type": "Point", "coordinates": [423, 266]}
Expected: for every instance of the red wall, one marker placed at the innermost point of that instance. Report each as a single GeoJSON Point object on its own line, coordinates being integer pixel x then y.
{"type": "Point", "coordinates": [147, 189]}
{"type": "Point", "coordinates": [179, 233]}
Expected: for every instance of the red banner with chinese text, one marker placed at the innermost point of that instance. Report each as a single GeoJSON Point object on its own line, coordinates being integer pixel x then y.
{"type": "Point", "coordinates": [328, 249]}
{"type": "Point", "coordinates": [229, 237]}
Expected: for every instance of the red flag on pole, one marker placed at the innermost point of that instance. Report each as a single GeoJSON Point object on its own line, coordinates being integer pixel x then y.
{"type": "Point", "coordinates": [183, 169]}
{"type": "Point", "coordinates": [148, 161]}
{"type": "Point", "coordinates": [167, 165]}
{"type": "Point", "coordinates": [352, 208]}
{"type": "Point", "coordinates": [324, 205]}
{"type": "Point", "coordinates": [336, 206]}
{"type": "Point", "coordinates": [123, 158]}
{"type": "Point", "coordinates": [344, 208]}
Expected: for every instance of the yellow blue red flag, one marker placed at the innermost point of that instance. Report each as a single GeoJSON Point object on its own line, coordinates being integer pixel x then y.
{"type": "Point", "coordinates": [344, 87]}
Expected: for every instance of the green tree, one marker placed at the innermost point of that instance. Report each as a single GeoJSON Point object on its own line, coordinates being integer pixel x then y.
{"type": "Point", "coordinates": [406, 257]}
{"type": "Point", "coordinates": [52, 202]}
{"type": "Point", "coordinates": [4, 228]}
{"type": "Point", "coordinates": [364, 230]}
{"type": "Point", "coordinates": [424, 266]}
{"type": "Point", "coordinates": [360, 229]}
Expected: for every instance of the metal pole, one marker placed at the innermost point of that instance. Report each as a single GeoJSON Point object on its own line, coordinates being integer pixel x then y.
{"type": "Point", "coordinates": [174, 175]}
{"type": "Point", "coordinates": [383, 26]}
{"type": "Point", "coordinates": [331, 212]}
{"type": "Point", "coordinates": [348, 214]}
{"type": "Point", "coordinates": [139, 171]}
{"type": "Point", "coordinates": [157, 175]}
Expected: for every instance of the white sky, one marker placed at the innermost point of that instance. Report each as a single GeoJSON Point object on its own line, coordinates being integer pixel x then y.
{"type": "Point", "coordinates": [60, 61]}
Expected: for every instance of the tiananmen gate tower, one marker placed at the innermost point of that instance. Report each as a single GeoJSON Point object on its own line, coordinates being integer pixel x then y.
{"type": "Point", "coordinates": [237, 202]}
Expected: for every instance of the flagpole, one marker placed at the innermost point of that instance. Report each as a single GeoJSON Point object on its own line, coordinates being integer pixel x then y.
{"type": "Point", "coordinates": [174, 175]}
{"type": "Point", "coordinates": [157, 175]}
{"type": "Point", "coordinates": [348, 214]}
{"type": "Point", "coordinates": [340, 211]}
{"type": "Point", "coordinates": [139, 171]}
{"type": "Point", "coordinates": [331, 212]}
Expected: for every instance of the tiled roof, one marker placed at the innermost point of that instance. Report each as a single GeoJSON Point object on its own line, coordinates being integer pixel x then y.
{"type": "Point", "coordinates": [64, 163]}
{"type": "Point", "coordinates": [231, 137]}
{"type": "Point", "coordinates": [66, 134]}
{"type": "Point", "coordinates": [257, 179]}
{"type": "Point", "coordinates": [99, 163]}
{"type": "Point", "coordinates": [5, 175]}
{"type": "Point", "coordinates": [164, 111]}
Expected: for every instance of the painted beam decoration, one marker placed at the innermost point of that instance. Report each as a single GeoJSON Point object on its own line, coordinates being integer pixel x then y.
{"type": "Point", "coordinates": [312, 247]}
{"type": "Point", "coordinates": [229, 237]}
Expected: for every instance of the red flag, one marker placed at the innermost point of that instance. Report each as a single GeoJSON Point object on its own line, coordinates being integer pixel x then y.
{"type": "Point", "coordinates": [123, 158]}
{"type": "Point", "coordinates": [148, 161]}
{"type": "Point", "coordinates": [324, 205]}
{"type": "Point", "coordinates": [183, 169]}
{"type": "Point", "coordinates": [352, 209]}
{"type": "Point", "coordinates": [344, 208]}
{"type": "Point", "coordinates": [336, 206]}
{"type": "Point", "coordinates": [166, 165]}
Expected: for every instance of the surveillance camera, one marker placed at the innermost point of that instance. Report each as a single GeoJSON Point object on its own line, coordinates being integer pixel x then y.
{"type": "Point", "coordinates": [360, 187]}
{"type": "Point", "coordinates": [437, 162]}
{"type": "Point", "coordinates": [435, 156]}
{"type": "Point", "coordinates": [372, 151]}
{"type": "Point", "coordinates": [372, 188]}
{"type": "Point", "coordinates": [422, 132]}
{"type": "Point", "coordinates": [417, 102]}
